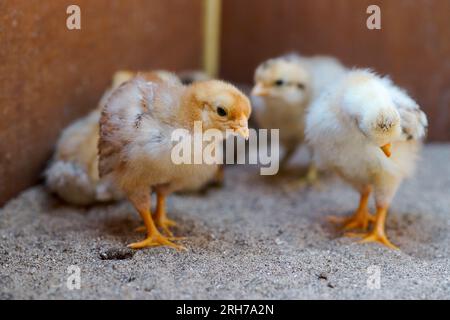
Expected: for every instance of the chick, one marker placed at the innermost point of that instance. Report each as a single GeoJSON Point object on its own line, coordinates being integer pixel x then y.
{"type": "Point", "coordinates": [352, 128]}
{"type": "Point", "coordinates": [191, 76]}
{"type": "Point", "coordinates": [73, 171]}
{"type": "Point", "coordinates": [284, 89]}
{"type": "Point", "coordinates": [188, 77]}
{"type": "Point", "coordinates": [135, 141]}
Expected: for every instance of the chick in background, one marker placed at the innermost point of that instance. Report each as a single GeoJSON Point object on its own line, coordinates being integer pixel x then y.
{"type": "Point", "coordinates": [135, 142]}
{"type": "Point", "coordinates": [284, 89]}
{"type": "Point", "coordinates": [369, 132]}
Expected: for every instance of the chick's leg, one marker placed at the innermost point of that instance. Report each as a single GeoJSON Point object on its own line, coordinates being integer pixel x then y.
{"type": "Point", "coordinates": [312, 175]}
{"type": "Point", "coordinates": [361, 218]}
{"type": "Point", "coordinates": [385, 188]}
{"type": "Point", "coordinates": [161, 216]}
{"type": "Point", "coordinates": [290, 150]}
{"type": "Point", "coordinates": [378, 234]}
{"type": "Point", "coordinates": [154, 237]}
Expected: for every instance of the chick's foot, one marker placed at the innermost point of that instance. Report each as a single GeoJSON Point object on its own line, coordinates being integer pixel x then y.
{"type": "Point", "coordinates": [164, 224]}
{"type": "Point", "coordinates": [154, 237]}
{"type": "Point", "coordinates": [378, 234]}
{"type": "Point", "coordinates": [310, 179]}
{"type": "Point", "coordinates": [379, 237]}
{"type": "Point", "coordinates": [170, 224]}
{"type": "Point", "coordinates": [360, 220]}
{"type": "Point", "coordinates": [154, 240]}
{"type": "Point", "coordinates": [373, 236]}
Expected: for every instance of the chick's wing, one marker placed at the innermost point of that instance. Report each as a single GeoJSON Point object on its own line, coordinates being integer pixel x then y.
{"type": "Point", "coordinates": [121, 121]}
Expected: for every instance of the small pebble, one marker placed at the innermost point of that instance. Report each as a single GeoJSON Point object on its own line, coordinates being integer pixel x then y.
{"type": "Point", "coordinates": [323, 276]}
{"type": "Point", "coordinates": [116, 253]}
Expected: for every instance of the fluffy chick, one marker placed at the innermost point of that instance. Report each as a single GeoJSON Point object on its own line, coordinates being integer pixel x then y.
{"type": "Point", "coordinates": [190, 76]}
{"type": "Point", "coordinates": [352, 128]}
{"type": "Point", "coordinates": [284, 89]}
{"type": "Point", "coordinates": [73, 171]}
{"type": "Point", "coordinates": [135, 141]}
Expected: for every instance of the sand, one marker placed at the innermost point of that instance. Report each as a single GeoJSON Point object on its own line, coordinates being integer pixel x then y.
{"type": "Point", "coordinates": [255, 238]}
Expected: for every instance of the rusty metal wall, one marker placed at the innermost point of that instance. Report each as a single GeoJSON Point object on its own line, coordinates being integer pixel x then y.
{"type": "Point", "coordinates": [50, 75]}
{"type": "Point", "coordinates": [413, 45]}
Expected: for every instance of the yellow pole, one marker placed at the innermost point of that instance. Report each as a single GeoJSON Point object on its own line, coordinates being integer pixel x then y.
{"type": "Point", "coordinates": [211, 36]}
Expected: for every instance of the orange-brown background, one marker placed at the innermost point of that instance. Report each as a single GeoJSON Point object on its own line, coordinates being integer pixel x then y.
{"type": "Point", "coordinates": [413, 45]}
{"type": "Point", "coordinates": [50, 75]}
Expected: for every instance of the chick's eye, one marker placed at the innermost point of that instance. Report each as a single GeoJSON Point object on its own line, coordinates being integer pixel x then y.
{"type": "Point", "coordinates": [279, 83]}
{"type": "Point", "coordinates": [300, 86]}
{"type": "Point", "coordinates": [221, 111]}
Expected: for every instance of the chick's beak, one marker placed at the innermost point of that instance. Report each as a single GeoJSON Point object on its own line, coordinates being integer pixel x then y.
{"type": "Point", "coordinates": [259, 90]}
{"type": "Point", "coordinates": [387, 149]}
{"type": "Point", "coordinates": [242, 128]}
{"type": "Point", "coordinates": [243, 131]}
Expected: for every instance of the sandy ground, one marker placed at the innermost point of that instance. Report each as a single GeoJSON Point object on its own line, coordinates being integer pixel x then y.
{"type": "Point", "coordinates": [258, 237]}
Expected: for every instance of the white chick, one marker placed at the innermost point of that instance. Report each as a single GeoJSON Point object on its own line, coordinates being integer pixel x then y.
{"type": "Point", "coordinates": [284, 89]}
{"type": "Point", "coordinates": [135, 141]}
{"type": "Point", "coordinates": [352, 128]}
{"type": "Point", "coordinates": [73, 171]}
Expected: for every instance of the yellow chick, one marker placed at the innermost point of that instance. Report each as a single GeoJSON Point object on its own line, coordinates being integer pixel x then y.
{"type": "Point", "coordinates": [284, 89]}
{"type": "Point", "coordinates": [73, 171]}
{"type": "Point", "coordinates": [135, 144]}
{"type": "Point", "coordinates": [368, 131]}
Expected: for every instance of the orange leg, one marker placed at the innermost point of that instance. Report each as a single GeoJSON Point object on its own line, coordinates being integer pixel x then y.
{"type": "Point", "coordinates": [361, 218]}
{"type": "Point", "coordinates": [378, 234]}
{"type": "Point", "coordinates": [161, 216]}
{"type": "Point", "coordinates": [154, 237]}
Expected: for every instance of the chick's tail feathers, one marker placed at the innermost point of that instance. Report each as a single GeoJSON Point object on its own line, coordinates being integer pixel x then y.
{"type": "Point", "coordinates": [414, 124]}
{"type": "Point", "coordinates": [414, 121]}
{"type": "Point", "coordinates": [71, 182]}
